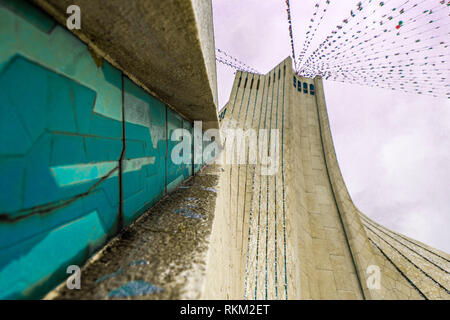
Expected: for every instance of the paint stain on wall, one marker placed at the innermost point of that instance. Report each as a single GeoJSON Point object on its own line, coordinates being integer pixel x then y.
{"type": "Point", "coordinates": [133, 289]}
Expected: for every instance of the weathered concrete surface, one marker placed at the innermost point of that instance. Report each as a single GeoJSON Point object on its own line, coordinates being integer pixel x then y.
{"type": "Point", "coordinates": [163, 248]}
{"type": "Point", "coordinates": [297, 234]}
{"type": "Point", "coordinates": [165, 46]}
{"type": "Point", "coordinates": [427, 269]}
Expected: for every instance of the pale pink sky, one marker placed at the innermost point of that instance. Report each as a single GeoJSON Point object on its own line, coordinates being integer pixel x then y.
{"type": "Point", "coordinates": [393, 148]}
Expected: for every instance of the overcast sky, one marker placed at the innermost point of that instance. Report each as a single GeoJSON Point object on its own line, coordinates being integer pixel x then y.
{"type": "Point", "coordinates": [393, 148]}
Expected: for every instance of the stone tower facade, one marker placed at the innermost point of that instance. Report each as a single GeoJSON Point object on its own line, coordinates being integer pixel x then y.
{"type": "Point", "coordinates": [295, 233]}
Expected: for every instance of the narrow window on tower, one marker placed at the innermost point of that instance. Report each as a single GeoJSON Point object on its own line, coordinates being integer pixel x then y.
{"type": "Point", "coordinates": [251, 85]}
{"type": "Point", "coordinates": [274, 77]}
{"type": "Point", "coordinates": [279, 74]}
{"type": "Point", "coordinates": [239, 83]}
{"type": "Point", "coordinates": [305, 87]}
{"type": "Point", "coordinates": [284, 70]}
{"type": "Point", "coordinates": [269, 82]}
{"type": "Point", "coordinates": [312, 89]}
{"type": "Point", "coordinates": [257, 86]}
{"type": "Point", "coordinates": [299, 86]}
{"type": "Point", "coordinates": [245, 83]}
{"type": "Point", "coordinates": [295, 81]}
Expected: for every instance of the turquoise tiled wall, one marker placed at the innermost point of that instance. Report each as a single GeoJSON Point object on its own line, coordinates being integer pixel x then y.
{"type": "Point", "coordinates": [189, 146]}
{"type": "Point", "coordinates": [143, 172]}
{"type": "Point", "coordinates": [174, 171]}
{"type": "Point", "coordinates": [83, 151]}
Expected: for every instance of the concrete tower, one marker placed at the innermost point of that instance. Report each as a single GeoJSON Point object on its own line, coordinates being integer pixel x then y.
{"type": "Point", "coordinates": [296, 234]}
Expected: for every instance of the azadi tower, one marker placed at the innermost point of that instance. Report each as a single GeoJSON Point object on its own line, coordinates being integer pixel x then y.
{"type": "Point", "coordinates": [297, 234]}
{"type": "Point", "coordinates": [87, 120]}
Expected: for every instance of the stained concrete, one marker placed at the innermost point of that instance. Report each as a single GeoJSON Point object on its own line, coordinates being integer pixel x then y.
{"type": "Point", "coordinates": [167, 47]}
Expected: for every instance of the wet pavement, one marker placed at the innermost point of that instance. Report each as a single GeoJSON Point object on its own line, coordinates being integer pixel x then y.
{"type": "Point", "coordinates": [160, 256]}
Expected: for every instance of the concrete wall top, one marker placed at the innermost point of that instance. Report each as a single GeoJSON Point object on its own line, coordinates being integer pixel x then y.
{"type": "Point", "coordinates": [167, 47]}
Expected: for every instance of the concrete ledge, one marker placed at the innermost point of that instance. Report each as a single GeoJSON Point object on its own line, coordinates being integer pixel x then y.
{"type": "Point", "coordinates": [160, 256]}
{"type": "Point", "coordinates": [167, 47]}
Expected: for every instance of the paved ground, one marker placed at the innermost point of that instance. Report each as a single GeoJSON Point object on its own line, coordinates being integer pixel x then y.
{"type": "Point", "coordinates": [161, 255]}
